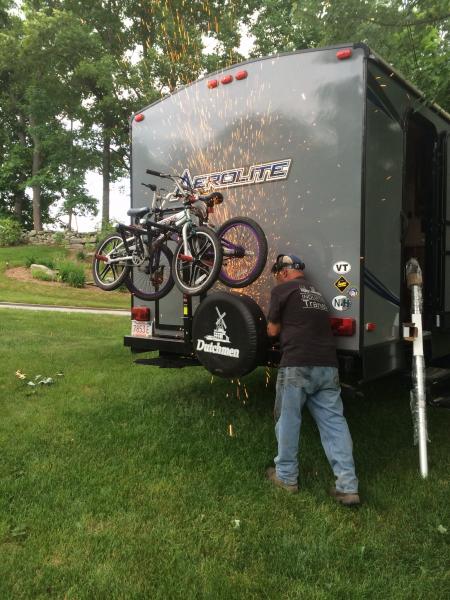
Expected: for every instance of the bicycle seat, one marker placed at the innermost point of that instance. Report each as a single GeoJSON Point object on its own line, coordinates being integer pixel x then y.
{"type": "Point", "coordinates": [138, 212]}
{"type": "Point", "coordinates": [216, 196]}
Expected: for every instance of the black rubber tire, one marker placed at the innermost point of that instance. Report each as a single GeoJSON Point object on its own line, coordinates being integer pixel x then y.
{"type": "Point", "coordinates": [193, 239]}
{"type": "Point", "coordinates": [98, 264]}
{"type": "Point", "coordinates": [261, 260]}
{"type": "Point", "coordinates": [134, 284]}
{"type": "Point", "coordinates": [235, 344]}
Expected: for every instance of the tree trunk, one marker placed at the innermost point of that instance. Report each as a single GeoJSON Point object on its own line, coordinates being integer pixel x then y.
{"type": "Point", "coordinates": [106, 169]}
{"type": "Point", "coordinates": [19, 200]}
{"type": "Point", "coordinates": [18, 205]}
{"type": "Point", "coordinates": [36, 187]}
{"type": "Point", "coordinates": [69, 224]}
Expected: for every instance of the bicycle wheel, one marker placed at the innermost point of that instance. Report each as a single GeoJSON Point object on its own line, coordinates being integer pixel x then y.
{"type": "Point", "coordinates": [109, 265]}
{"type": "Point", "coordinates": [153, 278]}
{"type": "Point", "coordinates": [196, 273]}
{"type": "Point", "coordinates": [244, 251]}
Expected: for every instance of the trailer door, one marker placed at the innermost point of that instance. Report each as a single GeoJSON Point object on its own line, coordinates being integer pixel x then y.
{"type": "Point", "coordinates": [443, 314]}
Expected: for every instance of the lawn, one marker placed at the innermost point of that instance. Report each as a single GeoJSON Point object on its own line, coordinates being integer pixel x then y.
{"type": "Point", "coordinates": [123, 481]}
{"type": "Point", "coordinates": [37, 292]}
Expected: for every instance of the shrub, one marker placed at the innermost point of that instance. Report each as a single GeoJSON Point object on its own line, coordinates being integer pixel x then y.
{"type": "Point", "coordinates": [81, 255]}
{"type": "Point", "coordinates": [32, 260]}
{"type": "Point", "coordinates": [38, 274]}
{"type": "Point", "coordinates": [58, 237]}
{"type": "Point", "coordinates": [72, 274]}
{"type": "Point", "coordinates": [106, 229]}
{"type": "Point", "coordinates": [10, 232]}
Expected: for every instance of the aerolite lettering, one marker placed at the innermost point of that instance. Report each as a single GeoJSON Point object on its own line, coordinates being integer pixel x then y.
{"type": "Point", "coordinates": [260, 173]}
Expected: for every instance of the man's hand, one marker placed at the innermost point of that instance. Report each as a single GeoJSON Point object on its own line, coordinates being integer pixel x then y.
{"type": "Point", "coordinates": [273, 329]}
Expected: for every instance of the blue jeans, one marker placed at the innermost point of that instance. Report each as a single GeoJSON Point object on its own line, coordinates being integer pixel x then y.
{"type": "Point", "coordinates": [318, 388]}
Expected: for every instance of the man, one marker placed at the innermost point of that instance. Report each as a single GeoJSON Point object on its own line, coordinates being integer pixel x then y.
{"type": "Point", "coordinates": [307, 375]}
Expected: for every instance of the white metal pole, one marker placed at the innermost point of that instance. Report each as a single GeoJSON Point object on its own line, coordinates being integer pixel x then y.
{"type": "Point", "coordinates": [414, 281]}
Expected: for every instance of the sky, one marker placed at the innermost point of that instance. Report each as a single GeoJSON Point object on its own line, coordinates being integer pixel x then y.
{"type": "Point", "coordinates": [120, 191]}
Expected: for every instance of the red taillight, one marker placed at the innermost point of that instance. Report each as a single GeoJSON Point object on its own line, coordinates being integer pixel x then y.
{"type": "Point", "coordinates": [212, 83]}
{"type": "Point", "coordinates": [241, 75]}
{"type": "Point", "coordinates": [343, 325]}
{"type": "Point", "coordinates": [343, 54]}
{"type": "Point", "coordinates": [140, 117]}
{"type": "Point", "coordinates": [371, 326]}
{"type": "Point", "coordinates": [226, 79]}
{"type": "Point", "coordinates": [140, 313]}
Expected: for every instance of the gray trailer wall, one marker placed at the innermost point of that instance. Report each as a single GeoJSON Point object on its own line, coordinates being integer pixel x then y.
{"type": "Point", "coordinates": [307, 107]}
{"type": "Point", "coordinates": [383, 203]}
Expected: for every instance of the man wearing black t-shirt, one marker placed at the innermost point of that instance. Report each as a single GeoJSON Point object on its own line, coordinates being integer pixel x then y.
{"type": "Point", "coordinates": [308, 375]}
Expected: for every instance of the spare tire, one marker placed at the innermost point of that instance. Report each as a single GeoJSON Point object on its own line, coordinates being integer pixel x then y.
{"type": "Point", "coordinates": [229, 334]}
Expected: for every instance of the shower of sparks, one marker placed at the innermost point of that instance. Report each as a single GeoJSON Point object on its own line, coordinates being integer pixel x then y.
{"type": "Point", "coordinates": [267, 375]}
{"type": "Point", "coordinates": [225, 129]}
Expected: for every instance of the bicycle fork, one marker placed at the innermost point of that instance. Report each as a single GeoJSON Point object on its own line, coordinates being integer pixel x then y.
{"type": "Point", "coordinates": [187, 256]}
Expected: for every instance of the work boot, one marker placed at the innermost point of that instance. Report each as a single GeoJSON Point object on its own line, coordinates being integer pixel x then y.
{"type": "Point", "coordinates": [271, 475]}
{"type": "Point", "coordinates": [346, 499]}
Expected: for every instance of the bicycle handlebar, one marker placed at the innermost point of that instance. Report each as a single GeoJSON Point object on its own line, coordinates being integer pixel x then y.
{"type": "Point", "coordinates": [157, 173]}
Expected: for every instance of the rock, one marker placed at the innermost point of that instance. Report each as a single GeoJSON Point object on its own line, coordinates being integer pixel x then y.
{"type": "Point", "coordinates": [32, 233]}
{"type": "Point", "coordinates": [44, 269]}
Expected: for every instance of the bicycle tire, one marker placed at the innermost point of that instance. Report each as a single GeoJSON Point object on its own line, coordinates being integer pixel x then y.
{"type": "Point", "coordinates": [203, 270]}
{"type": "Point", "coordinates": [238, 272]}
{"type": "Point", "coordinates": [101, 270]}
{"type": "Point", "coordinates": [141, 281]}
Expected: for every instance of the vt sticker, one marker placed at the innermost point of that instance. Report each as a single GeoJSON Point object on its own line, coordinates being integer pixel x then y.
{"type": "Point", "coordinates": [342, 267]}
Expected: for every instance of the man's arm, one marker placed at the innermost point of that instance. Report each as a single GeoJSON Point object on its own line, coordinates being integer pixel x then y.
{"type": "Point", "coordinates": [273, 329]}
{"type": "Point", "coordinates": [274, 316]}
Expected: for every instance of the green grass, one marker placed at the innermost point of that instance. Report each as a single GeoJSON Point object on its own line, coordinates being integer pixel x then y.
{"type": "Point", "coordinates": [121, 481]}
{"type": "Point", "coordinates": [42, 275]}
{"type": "Point", "coordinates": [33, 292]}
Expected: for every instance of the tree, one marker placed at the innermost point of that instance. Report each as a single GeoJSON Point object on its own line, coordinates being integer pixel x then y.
{"type": "Point", "coordinates": [47, 46]}
{"type": "Point", "coordinates": [412, 35]}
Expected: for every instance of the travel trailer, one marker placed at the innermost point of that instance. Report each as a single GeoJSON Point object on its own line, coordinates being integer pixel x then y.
{"type": "Point", "coordinates": [343, 163]}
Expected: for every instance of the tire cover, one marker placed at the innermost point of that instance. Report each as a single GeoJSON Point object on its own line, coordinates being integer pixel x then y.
{"type": "Point", "coordinates": [229, 334]}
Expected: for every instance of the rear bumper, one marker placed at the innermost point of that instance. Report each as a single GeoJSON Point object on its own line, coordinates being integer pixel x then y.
{"type": "Point", "coordinates": [163, 344]}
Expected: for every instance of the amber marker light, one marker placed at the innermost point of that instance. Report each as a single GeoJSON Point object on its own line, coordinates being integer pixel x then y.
{"type": "Point", "coordinates": [212, 83]}
{"type": "Point", "coordinates": [226, 79]}
{"type": "Point", "coordinates": [140, 117]}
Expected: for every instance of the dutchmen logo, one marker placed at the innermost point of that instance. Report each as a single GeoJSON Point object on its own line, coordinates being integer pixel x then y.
{"type": "Point", "coordinates": [260, 173]}
{"type": "Point", "coordinates": [219, 336]}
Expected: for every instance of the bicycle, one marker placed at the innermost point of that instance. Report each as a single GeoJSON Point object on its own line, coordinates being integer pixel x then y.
{"type": "Point", "coordinates": [244, 246]}
{"type": "Point", "coordinates": [142, 248]}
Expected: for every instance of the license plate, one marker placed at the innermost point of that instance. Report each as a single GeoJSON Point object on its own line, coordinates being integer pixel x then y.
{"type": "Point", "coordinates": [142, 328]}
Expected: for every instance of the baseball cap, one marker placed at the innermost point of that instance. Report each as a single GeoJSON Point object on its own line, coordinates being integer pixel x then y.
{"type": "Point", "coordinates": [288, 261]}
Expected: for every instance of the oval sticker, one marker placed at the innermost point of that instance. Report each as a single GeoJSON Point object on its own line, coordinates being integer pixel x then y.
{"type": "Point", "coordinates": [341, 303]}
{"type": "Point", "coordinates": [342, 267]}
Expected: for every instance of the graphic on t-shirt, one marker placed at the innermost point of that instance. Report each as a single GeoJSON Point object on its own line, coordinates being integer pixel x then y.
{"type": "Point", "coordinates": [311, 298]}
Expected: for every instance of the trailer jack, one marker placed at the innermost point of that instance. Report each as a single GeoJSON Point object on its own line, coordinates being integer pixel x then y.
{"type": "Point", "coordinates": [412, 332]}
